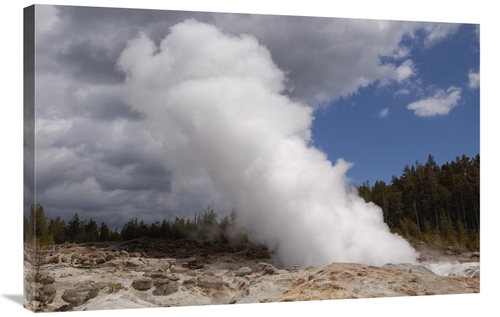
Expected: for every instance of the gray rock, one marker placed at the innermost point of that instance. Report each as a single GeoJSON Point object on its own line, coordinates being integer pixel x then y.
{"type": "Point", "coordinates": [210, 282]}
{"type": "Point", "coordinates": [166, 288]}
{"type": "Point", "coordinates": [142, 284]}
{"type": "Point", "coordinates": [162, 265]}
{"type": "Point", "coordinates": [173, 277]}
{"type": "Point", "coordinates": [65, 259]}
{"type": "Point", "coordinates": [161, 281]}
{"type": "Point", "coordinates": [88, 284]}
{"type": "Point", "coordinates": [266, 267]}
{"type": "Point", "coordinates": [82, 258]}
{"type": "Point", "coordinates": [45, 279]}
{"type": "Point", "coordinates": [88, 263]}
{"type": "Point", "coordinates": [52, 259]}
{"type": "Point", "coordinates": [81, 293]}
{"type": "Point", "coordinates": [190, 282]}
{"type": "Point", "coordinates": [133, 263]}
{"type": "Point", "coordinates": [179, 270]}
{"type": "Point", "coordinates": [243, 271]}
{"type": "Point", "coordinates": [110, 256]}
{"type": "Point", "coordinates": [157, 275]}
{"type": "Point", "coordinates": [46, 293]}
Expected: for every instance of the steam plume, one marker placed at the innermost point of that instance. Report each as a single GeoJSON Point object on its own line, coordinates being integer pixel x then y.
{"type": "Point", "coordinates": [215, 103]}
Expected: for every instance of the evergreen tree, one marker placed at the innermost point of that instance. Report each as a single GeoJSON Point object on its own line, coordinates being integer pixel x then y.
{"type": "Point", "coordinates": [57, 230]}
{"type": "Point", "coordinates": [37, 225]}
{"type": "Point", "coordinates": [435, 203]}
{"type": "Point", "coordinates": [104, 233]}
{"type": "Point", "coordinates": [74, 228]}
{"type": "Point", "coordinates": [91, 231]}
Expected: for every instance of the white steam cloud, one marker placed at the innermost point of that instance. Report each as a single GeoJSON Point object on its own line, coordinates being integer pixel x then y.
{"type": "Point", "coordinates": [215, 103]}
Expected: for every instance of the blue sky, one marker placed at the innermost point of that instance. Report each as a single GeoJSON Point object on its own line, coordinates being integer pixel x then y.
{"type": "Point", "coordinates": [380, 146]}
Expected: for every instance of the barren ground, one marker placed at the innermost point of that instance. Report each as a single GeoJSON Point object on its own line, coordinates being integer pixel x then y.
{"type": "Point", "coordinates": [153, 273]}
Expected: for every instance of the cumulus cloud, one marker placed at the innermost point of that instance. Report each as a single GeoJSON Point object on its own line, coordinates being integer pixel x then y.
{"type": "Point", "coordinates": [441, 103]}
{"type": "Point", "coordinates": [473, 79]}
{"type": "Point", "coordinates": [402, 91]}
{"type": "Point", "coordinates": [436, 32]}
{"type": "Point", "coordinates": [405, 71]}
{"type": "Point", "coordinates": [383, 113]}
{"type": "Point", "coordinates": [354, 49]}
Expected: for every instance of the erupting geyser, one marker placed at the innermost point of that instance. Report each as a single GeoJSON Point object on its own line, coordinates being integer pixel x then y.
{"type": "Point", "coordinates": [215, 104]}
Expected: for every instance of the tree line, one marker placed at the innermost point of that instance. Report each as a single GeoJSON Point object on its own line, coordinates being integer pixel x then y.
{"type": "Point", "coordinates": [206, 226]}
{"type": "Point", "coordinates": [432, 203]}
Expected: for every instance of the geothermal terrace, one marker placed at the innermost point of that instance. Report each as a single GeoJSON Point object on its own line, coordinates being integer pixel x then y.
{"type": "Point", "coordinates": [156, 273]}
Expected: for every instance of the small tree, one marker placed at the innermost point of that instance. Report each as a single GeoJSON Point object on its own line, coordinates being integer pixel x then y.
{"type": "Point", "coordinates": [73, 229]}
{"type": "Point", "coordinates": [165, 230]}
{"type": "Point", "coordinates": [91, 231]}
{"type": "Point", "coordinates": [37, 225]}
{"type": "Point", "coordinates": [129, 230]}
{"type": "Point", "coordinates": [104, 233]}
{"type": "Point", "coordinates": [56, 230]}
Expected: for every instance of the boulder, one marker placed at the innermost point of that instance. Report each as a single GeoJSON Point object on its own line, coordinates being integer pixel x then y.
{"type": "Point", "coordinates": [190, 282]}
{"type": "Point", "coordinates": [65, 259]}
{"type": "Point", "coordinates": [45, 293]}
{"type": "Point", "coordinates": [173, 277]}
{"type": "Point", "coordinates": [210, 282]}
{"type": "Point", "coordinates": [133, 263]}
{"type": "Point", "coordinates": [162, 265]}
{"type": "Point", "coordinates": [165, 287]}
{"type": "Point", "coordinates": [88, 263]}
{"type": "Point", "coordinates": [74, 297]}
{"type": "Point", "coordinates": [243, 271]}
{"type": "Point", "coordinates": [142, 284]}
{"type": "Point", "coordinates": [80, 293]}
{"type": "Point", "coordinates": [52, 259]}
{"type": "Point", "coordinates": [110, 256]}
{"type": "Point", "coordinates": [45, 279]}
{"type": "Point", "coordinates": [157, 275]}
{"type": "Point", "coordinates": [266, 268]}
{"type": "Point", "coordinates": [178, 270]}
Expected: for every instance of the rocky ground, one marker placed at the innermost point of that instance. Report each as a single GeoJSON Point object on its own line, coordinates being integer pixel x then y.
{"type": "Point", "coordinates": [154, 273]}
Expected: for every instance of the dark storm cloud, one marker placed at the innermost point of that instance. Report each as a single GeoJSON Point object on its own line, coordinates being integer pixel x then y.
{"type": "Point", "coordinates": [123, 22]}
{"type": "Point", "coordinates": [90, 62]}
{"type": "Point", "coordinates": [92, 38]}
{"type": "Point", "coordinates": [135, 177]}
{"type": "Point", "coordinates": [111, 110]}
